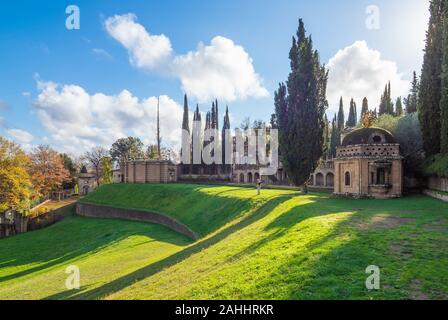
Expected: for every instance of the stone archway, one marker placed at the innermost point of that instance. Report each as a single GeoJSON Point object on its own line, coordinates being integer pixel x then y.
{"type": "Point", "coordinates": [319, 180]}
{"type": "Point", "coordinates": [241, 177]}
{"type": "Point", "coordinates": [329, 180]}
{"type": "Point", "coordinates": [250, 178]}
{"type": "Point", "coordinates": [256, 177]}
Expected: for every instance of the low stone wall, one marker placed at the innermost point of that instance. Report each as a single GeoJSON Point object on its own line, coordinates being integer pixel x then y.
{"type": "Point", "coordinates": [105, 212]}
{"type": "Point", "coordinates": [436, 183]}
{"type": "Point", "coordinates": [435, 194]}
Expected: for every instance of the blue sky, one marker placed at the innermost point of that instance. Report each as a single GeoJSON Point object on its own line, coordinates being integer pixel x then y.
{"type": "Point", "coordinates": [38, 50]}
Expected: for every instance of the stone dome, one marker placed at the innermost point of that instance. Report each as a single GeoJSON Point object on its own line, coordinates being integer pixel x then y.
{"type": "Point", "coordinates": [368, 136]}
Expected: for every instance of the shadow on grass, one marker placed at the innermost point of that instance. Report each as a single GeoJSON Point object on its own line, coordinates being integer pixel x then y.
{"type": "Point", "coordinates": [202, 208]}
{"type": "Point", "coordinates": [125, 281]}
{"type": "Point", "coordinates": [73, 238]}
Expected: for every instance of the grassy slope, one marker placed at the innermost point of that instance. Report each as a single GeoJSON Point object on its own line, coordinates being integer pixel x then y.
{"type": "Point", "coordinates": [203, 209]}
{"type": "Point", "coordinates": [280, 246]}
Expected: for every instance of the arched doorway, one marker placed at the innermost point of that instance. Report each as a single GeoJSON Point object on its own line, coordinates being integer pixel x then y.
{"type": "Point", "coordinates": [250, 177]}
{"type": "Point", "coordinates": [241, 177]}
{"type": "Point", "coordinates": [85, 190]}
{"type": "Point", "coordinates": [319, 179]}
{"type": "Point", "coordinates": [257, 177]}
{"type": "Point", "coordinates": [330, 179]}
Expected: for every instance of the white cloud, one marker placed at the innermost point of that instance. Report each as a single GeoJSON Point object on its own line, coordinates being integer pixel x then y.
{"type": "Point", "coordinates": [77, 120]}
{"type": "Point", "coordinates": [146, 51]}
{"type": "Point", "coordinates": [21, 136]}
{"type": "Point", "coordinates": [101, 53]}
{"type": "Point", "coordinates": [357, 72]}
{"type": "Point", "coordinates": [222, 69]}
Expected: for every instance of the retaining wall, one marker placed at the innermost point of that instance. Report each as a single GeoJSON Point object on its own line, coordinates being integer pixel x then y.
{"type": "Point", "coordinates": [436, 183]}
{"type": "Point", "coordinates": [105, 212]}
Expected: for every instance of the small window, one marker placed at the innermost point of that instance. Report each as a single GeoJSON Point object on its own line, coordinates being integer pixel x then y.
{"type": "Point", "coordinates": [347, 179]}
{"type": "Point", "coordinates": [377, 139]}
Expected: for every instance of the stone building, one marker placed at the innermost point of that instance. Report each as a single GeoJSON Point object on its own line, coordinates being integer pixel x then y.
{"type": "Point", "coordinates": [87, 183]}
{"type": "Point", "coordinates": [149, 171]}
{"type": "Point", "coordinates": [323, 176]}
{"type": "Point", "coordinates": [368, 163]}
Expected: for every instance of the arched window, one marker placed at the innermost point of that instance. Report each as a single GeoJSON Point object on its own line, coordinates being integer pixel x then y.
{"type": "Point", "coordinates": [347, 179]}
{"type": "Point", "coordinates": [319, 179]}
{"type": "Point", "coordinates": [330, 180]}
{"type": "Point", "coordinates": [242, 178]}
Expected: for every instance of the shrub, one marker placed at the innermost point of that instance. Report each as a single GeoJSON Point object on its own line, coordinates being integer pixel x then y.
{"type": "Point", "coordinates": [437, 165]}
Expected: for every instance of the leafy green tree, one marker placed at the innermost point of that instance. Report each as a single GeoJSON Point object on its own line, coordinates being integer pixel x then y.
{"type": "Point", "coordinates": [430, 93]}
{"type": "Point", "coordinates": [151, 152]}
{"type": "Point", "coordinates": [15, 182]}
{"type": "Point", "coordinates": [106, 170]}
{"type": "Point", "coordinates": [125, 149]}
{"type": "Point", "coordinates": [300, 113]}
{"type": "Point", "coordinates": [407, 131]}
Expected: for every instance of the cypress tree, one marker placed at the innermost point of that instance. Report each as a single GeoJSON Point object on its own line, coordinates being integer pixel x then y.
{"type": "Point", "coordinates": [444, 90]}
{"type": "Point", "coordinates": [326, 137]}
{"type": "Point", "coordinates": [365, 107]}
{"type": "Point", "coordinates": [398, 107]}
{"type": "Point", "coordinates": [430, 85]}
{"type": "Point", "coordinates": [300, 109]}
{"type": "Point", "coordinates": [351, 122]}
{"type": "Point", "coordinates": [334, 138]}
{"type": "Point", "coordinates": [341, 117]}
{"type": "Point", "coordinates": [412, 100]}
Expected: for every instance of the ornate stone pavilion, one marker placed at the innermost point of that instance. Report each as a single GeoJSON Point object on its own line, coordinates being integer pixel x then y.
{"type": "Point", "coordinates": [368, 163]}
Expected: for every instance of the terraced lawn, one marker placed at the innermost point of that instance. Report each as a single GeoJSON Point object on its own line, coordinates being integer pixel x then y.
{"type": "Point", "coordinates": [280, 245]}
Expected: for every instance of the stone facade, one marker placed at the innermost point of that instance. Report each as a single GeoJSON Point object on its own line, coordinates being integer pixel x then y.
{"type": "Point", "coordinates": [369, 163]}
{"type": "Point", "coordinates": [86, 183]}
{"type": "Point", "coordinates": [149, 171]}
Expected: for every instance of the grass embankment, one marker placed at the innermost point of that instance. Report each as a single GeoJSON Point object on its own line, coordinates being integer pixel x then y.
{"type": "Point", "coordinates": [280, 245]}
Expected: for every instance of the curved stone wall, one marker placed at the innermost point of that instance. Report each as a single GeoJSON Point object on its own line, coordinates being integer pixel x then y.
{"type": "Point", "coordinates": [105, 212]}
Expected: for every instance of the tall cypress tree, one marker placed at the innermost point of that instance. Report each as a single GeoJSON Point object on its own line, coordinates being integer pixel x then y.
{"type": "Point", "coordinates": [334, 138]}
{"type": "Point", "coordinates": [365, 107]}
{"type": "Point", "coordinates": [351, 122]}
{"type": "Point", "coordinates": [431, 83]}
{"type": "Point", "coordinates": [398, 107]}
{"type": "Point", "coordinates": [326, 137]}
{"type": "Point", "coordinates": [444, 90]}
{"type": "Point", "coordinates": [341, 117]}
{"type": "Point", "coordinates": [412, 100]}
{"type": "Point", "coordinates": [300, 113]}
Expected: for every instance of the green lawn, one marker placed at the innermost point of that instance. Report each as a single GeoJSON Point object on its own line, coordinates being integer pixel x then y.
{"type": "Point", "coordinates": [280, 245]}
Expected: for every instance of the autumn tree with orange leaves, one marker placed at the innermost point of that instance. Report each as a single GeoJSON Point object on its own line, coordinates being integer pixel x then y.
{"type": "Point", "coordinates": [46, 170]}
